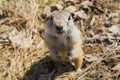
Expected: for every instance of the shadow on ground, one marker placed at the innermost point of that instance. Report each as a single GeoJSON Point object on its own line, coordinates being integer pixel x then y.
{"type": "Point", "coordinates": [42, 70]}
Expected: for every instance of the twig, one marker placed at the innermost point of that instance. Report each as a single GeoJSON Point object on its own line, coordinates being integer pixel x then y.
{"type": "Point", "coordinates": [52, 73]}
{"type": "Point", "coordinates": [93, 39]}
{"type": "Point", "coordinates": [103, 38]}
{"type": "Point", "coordinates": [82, 75]}
{"type": "Point", "coordinates": [96, 62]}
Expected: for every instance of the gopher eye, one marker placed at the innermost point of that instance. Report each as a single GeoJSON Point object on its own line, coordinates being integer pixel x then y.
{"type": "Point", "coordinates": [69, 18]}
{"type": "Point", "coordinates": [51, 17]}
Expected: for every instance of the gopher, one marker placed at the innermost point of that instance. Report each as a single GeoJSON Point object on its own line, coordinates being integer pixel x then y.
{"type": "Point", "coordinates": [63, 39]}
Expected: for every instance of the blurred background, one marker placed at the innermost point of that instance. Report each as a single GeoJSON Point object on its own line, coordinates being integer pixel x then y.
{"type": "Point", "coordinates": [23, 52]}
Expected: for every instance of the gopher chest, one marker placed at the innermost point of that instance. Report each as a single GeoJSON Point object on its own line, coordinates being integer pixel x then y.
{"type": "Point", "coordinates": [63, 47]}
{"type": "Point", "coordinates": [63, 44]}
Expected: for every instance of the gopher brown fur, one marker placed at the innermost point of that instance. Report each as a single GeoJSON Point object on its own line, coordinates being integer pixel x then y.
{"type": "Point", "coordinates": [63, 38]}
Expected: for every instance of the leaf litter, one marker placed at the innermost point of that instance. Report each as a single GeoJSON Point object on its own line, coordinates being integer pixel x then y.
{"type": "Point", "coordinates": [23, 55]}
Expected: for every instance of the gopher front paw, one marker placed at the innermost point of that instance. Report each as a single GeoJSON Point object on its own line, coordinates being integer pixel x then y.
{"type": "Point", "coordinates": [70, 56]}
{"type": "Point", "coordinates": [55, 54]}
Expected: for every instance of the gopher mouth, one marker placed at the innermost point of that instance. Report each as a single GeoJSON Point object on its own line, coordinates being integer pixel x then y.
{"type": "Point", "coordinates": [60, 32]}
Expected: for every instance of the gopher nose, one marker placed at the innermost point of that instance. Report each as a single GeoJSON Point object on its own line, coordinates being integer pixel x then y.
{"type": "Point", "coordinates": [59, 28]}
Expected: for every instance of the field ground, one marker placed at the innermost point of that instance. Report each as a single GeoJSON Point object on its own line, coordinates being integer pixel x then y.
{"type": "Point", "coordinates": [23, 55]}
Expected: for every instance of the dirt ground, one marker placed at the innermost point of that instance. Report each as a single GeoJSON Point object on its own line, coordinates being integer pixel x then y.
{"type": "Point", "coordinates": [24, 56]}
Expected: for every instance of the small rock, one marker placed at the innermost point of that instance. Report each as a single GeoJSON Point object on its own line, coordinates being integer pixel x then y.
{"type": "Point", "coordinates": [81, 14]}
{"type": "Point", "coordinates": [47, 11]}
{"type": "Point", "coordinates": [115, 29]}
{"type": "Point", "coordinates": [87, 3]}
{"type": "Point", "coordinates": [71, 8]}
{"type": "Point", "coordinates": [114, 15]}
{"type": "Point", "coordinates": [56, 7]}
{"type": "Point", "coordinates": [20, 39]}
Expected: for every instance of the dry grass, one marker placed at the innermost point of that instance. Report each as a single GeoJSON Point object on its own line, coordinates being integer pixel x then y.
{"type": "Point", "coordinates": [23, 54]}
{"type": "Point", "coordinates": [19, 19]}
